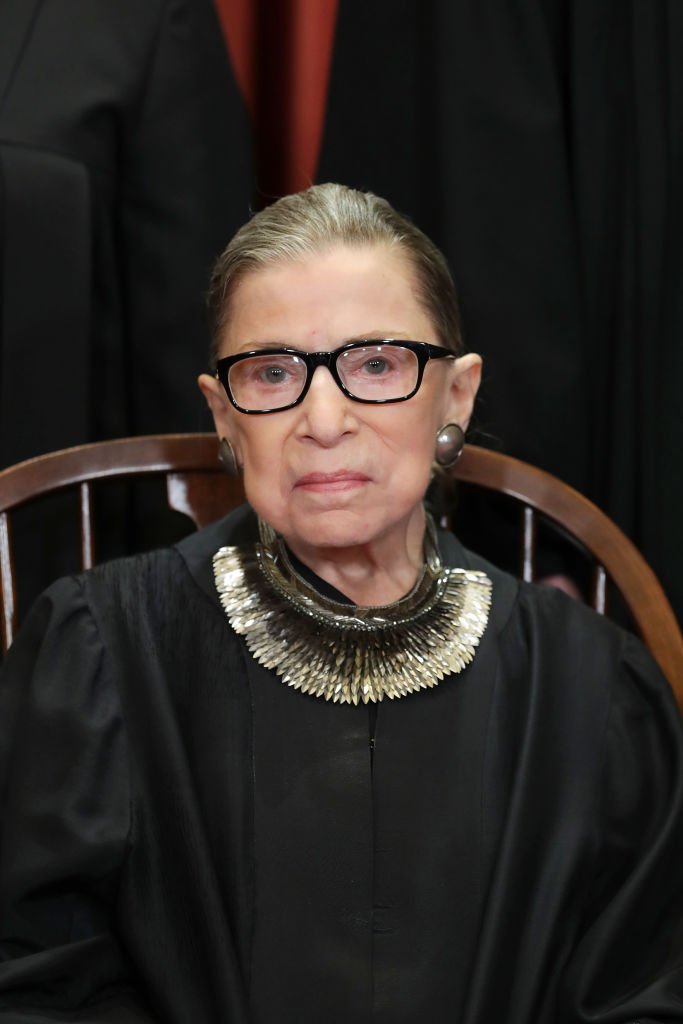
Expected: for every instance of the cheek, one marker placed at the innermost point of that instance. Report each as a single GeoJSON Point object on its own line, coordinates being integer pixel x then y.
{"type": "Point", "coordinates": [258, 440]}
{"type": "Point", "coordinates": [261, 464]}
{"type": "Point", "coordinates": [408, 455]}
{"type": "Point", "coordinates": [266, 497]}
{"type": "Point", "coordinates": [412, 470]}
{"type": "Point", "coordinates": [413, 431]}
{"type": "Point", "coordinates": [422, 426]}
{"type": "Point", "coordinates": [261, 450]}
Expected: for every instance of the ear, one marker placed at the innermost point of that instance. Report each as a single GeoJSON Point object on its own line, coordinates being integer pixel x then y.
{"type": "Point", "coordinates": [463, 390]}
{"type": "Point", "coordinates": [218, 403]}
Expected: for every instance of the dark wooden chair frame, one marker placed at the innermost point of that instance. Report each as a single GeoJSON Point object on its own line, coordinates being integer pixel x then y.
{"type": "Point", "coordinates": [197, 487]}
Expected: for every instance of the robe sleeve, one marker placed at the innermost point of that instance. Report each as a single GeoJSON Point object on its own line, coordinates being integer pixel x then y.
{"type": "Point", "coordinates": [64, 794]}
{"type": "Point", "coordinates": [627, 967]}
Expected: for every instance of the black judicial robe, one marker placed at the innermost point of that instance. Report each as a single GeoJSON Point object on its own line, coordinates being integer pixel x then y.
{"type": "Point", "coordinates": [185, 839]}
{"type": "Point", "coordinates": [124, 170]}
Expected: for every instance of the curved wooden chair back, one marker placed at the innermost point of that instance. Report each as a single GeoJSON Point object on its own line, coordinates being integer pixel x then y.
{"type": "Point", "coordinates": [197, 487]}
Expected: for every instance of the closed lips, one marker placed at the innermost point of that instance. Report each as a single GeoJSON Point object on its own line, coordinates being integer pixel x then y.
{"type": "Point", "coordinates": [340, 478]}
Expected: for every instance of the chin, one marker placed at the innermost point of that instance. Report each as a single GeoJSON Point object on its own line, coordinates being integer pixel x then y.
{"type": "Point", "coordinates": [339, 529]}
{"type": "Point", "coordinates": [331, 528]}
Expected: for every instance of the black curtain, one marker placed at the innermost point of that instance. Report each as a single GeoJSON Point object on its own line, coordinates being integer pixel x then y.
{"type": "Point", "coordinates": [540, 144]}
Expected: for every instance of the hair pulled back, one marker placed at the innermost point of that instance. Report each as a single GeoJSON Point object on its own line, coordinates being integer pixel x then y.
{"type": "Point", "coordinates": [317, 219]}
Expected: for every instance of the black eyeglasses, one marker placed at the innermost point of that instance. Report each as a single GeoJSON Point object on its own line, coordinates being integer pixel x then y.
{"type": "Point", "coordinates": [371, 371]}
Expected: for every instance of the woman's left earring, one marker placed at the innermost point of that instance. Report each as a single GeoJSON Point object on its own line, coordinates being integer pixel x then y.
{"type": "Point", "coordinates": [450, 442]}
{"type": "Point", "coordinates": [227, 457]}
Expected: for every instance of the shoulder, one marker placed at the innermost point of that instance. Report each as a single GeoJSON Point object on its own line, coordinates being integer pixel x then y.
{"type": "Point", "coordinates": [158, 586]}
{"type": "Point", "coordinates": [538, 611]}
{"type": "Point", "coordinates": [535, 607]}
{"type": "Point", "coordinates": [168, 592]}
{"type": "Point", "coordinates": [550, 641]}
{"type": "Point", "coordinates": [178, 564]}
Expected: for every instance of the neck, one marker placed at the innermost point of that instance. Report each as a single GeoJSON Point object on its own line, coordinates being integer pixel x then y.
{"type": "Point", "coordinates": [377, 573]}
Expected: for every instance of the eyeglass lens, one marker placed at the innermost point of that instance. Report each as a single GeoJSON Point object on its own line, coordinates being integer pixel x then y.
{"type": "Point", "coordinates": [374, 372]}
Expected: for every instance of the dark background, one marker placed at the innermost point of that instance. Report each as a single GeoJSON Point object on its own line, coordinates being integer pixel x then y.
{"type": "Point", "coordinates": [539, 142]}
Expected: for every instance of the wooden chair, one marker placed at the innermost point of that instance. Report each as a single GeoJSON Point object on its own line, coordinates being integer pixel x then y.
{"type": "Point", "coordinates": [197, 487]}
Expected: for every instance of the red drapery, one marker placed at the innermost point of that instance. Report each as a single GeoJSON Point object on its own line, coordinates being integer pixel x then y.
{"type": "Point", "coordinates": [281, 51]}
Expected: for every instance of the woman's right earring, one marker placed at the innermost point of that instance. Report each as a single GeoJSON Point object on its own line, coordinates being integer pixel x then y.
{"type": "Point", "coordinates": [450, 442]}
{"type": "Point", "coordinates": [227, 458]}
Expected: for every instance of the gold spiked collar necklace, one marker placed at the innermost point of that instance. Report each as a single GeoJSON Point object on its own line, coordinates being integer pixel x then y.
{"type": "Point", "coordinates": [349, 653]}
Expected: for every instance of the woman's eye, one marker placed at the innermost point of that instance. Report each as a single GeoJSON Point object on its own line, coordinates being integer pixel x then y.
{"type": "Point", "coordinates": [375, 366]}
{"type": "Point", "coordinates": [273, 375]}
{"type": "Point", "coordinates": [264, 373]}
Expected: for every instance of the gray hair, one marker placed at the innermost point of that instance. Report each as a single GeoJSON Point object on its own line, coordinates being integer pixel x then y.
{"type": "Point", "coordinates": [317, 219]}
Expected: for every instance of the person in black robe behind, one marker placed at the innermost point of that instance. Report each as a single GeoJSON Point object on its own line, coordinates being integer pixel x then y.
{"type": "Point", "coordinates": [124, 166]}
{"type": "Point", "coordinates": [318, 761]}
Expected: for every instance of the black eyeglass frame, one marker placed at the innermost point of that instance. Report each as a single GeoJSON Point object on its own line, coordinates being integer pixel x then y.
{"type": "Point", "coordinates": [423, 350]}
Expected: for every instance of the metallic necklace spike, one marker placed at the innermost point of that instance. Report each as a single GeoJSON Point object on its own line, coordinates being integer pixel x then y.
{"type": "Point", "coordinates": [349, 653]}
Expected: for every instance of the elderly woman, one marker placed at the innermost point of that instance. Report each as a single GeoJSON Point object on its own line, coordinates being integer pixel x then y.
{"type": "Point", "coordinates": [212, 812]}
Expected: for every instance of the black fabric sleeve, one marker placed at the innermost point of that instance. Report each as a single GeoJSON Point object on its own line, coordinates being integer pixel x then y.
{"type": "Point", "coordinates": [628, 965]}
{"type": "Point", "coordinates": [65, 795]}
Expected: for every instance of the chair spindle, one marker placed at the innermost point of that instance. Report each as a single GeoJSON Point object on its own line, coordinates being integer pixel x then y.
{"type": "Point", "coordinates": [599, 589]}
{"type": "Point", "coordinates": [87, 534]}
{"type": "Point", "coordinates": [529, 544]}
{"type": "Point", "coordinates": [7, 585]}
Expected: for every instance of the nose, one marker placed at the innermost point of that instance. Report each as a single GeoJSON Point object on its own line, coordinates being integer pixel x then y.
{"type": "Point", "coordinates": [327, 414]}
